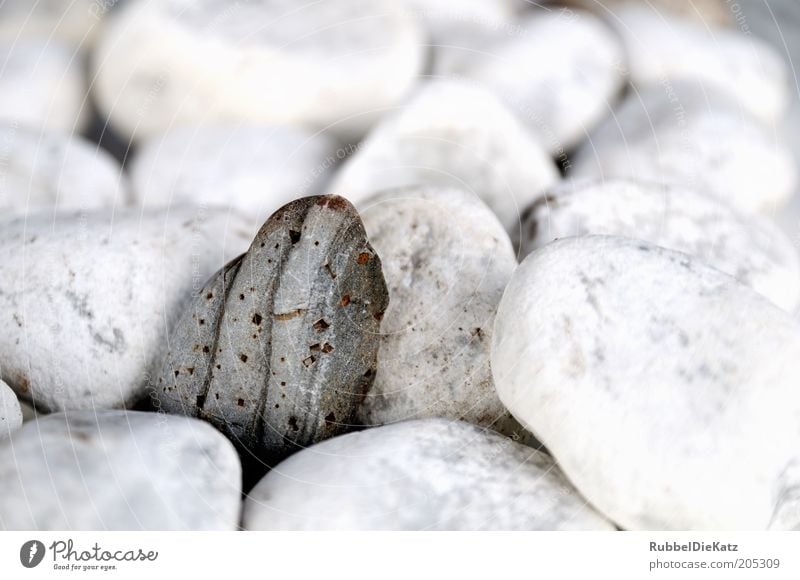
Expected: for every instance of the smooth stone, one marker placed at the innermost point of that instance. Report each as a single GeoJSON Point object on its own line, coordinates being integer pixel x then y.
{"type": "Point", "coordinates": [430, 474]}
{"type": "Point", "coordinates": [447, 260]}
{"type": "Point", "coordinates": [330, 65]}
{"type": "Point", "coordinates": [74, 22]}
{"type": "Point", "coordinates": [254, 169]}
{"type": "Point", "coordinates": [86, 298]}
{"type": "Point", "coordinates": [648, 376]}
{"type": "Point", "coordinates": [744, 67]}
{"type": "Point", "coordinates": [279, 348]}
{"type": "Point", "coordinates": [118, 470]}
{"type": "Point", "coordinates": [687, 134]}
{"type": "Point", "coordinates": [42, 85]}
{"type": "Point", "coordinates": [10, 411]}
{"type": "Point", "coordinates": [49, 170]}
{"type": "Point", "coordinates": [452, 134]}
{"type": "Point", "coordinates": [748, 247]}
{"type": "Point", "coordinates": [560, 75]}
{"type": "Point", "coordinates": [706, 12]}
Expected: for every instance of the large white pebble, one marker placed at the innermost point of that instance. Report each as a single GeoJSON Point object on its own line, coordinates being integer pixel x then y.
{"type": "Point", "coordinates": [744, 67]}
{"type": "Point", "coordinates": [43, 170]}
{"type": "Point", "coordinates": [560, 74]}
{"type": "Point", "coordinates": [254, 169]}
{"type": "Point", "coordinates": [446, 260]}
{"type": "Point", "coordinates": [452, 133]}
{"type": "Point", "coordinates": [419, 475]}
{"type": "Point", "coordinates": [666, 390]}
{"type": "Point", "coordinates": [42, 85]}
{"type": "Point", "coordinates": [684, 133]}
{"type": "Point", "coordinates": [87, 299]}
{"type": "Point", "coordinates": [118, 470]}
{"type": "Point", "coordinates": [706, 12]}
{"type": "Point", "coordinates": [10, 411]}
{"type": "Point", "coordinates": [749, 247]}
{"type": "Point", "coordinates": [73, 22]}
{"type": "Point", "coordinates": [178, 62]}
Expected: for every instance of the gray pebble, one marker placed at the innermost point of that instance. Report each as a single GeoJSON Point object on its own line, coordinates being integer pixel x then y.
{"type": "Point", "coordinates": [280, 346]}
{"type": "Point", "coordinates": [10, 411]}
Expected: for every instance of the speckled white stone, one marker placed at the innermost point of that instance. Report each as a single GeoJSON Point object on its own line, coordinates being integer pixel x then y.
{"type": "Point", "coordinates": [86, 299]}
{"type": "Point", "coordinates": [743, 66]}
{"type": "Point", "coordinates": [452, 133]}
{"type": "Point", "coordinates": [118, 470]}
{"type": "Point", "coordinates": [418, 475]}
{"type": "Point", "coordinates": [72, 22]}
{"type": "Point", "coordinates": [42, 85]}
{"type": "Point", "coordinates": [254, 169]}
{"type": "Point", "coordinates": [328, 64]}
{"type": "Point", "coordinates": [560, 74]}
{"type": "Point", "coordinates": [749, 247]}
{"type": "Point", "coordinates": [666, 390]}
{"type": "Point", "coordinates": [49, 170]}
{"type": "Point", "coordinates": [688, 134]}
{"type": "Point", "coordinates": [446, 260]}
{"type": "Point", "coordinates": [10, 411]}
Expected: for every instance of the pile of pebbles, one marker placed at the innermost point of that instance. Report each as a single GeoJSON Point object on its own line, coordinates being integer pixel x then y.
{"type": "Point", "coordinates": [374, 264]}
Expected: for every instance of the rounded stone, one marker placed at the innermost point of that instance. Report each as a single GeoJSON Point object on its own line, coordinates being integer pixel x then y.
{"type": "Point", "coordinates": [419, 475]}
{"type": "Point", "coordinates": [706, 12]}
{"type": "Point", "coordinates": [51, 171]}
{"type": "Point", "coordinates": [446, 259]}
{"type": "Point", "coordinates": [646, 374]}
{"type": "Point", "coordinates": [254, 169]}
{"type": "Point", "coordinates": [749, 247]}
{"type": "Point", "coordinates": [10, 411]}
{"type": "Point", "coordinates": [42, 86]}
{"type": "Point", "coordinates": [279, 348]}
{"type": "Point", "coordinates": [559, 74]}
{"type": "Point", "coordinates": [74, 23]}
{"type": "Point", "coordinates": [86, 298]}
{"type": "Point", "coordinates": [334, 65]}
{"type": "Point", "coordinates": [118, 470]}
{"type": "Point", "coordinates": [688, 134]}
{"type": "Point", "coordinates": [452, 133]}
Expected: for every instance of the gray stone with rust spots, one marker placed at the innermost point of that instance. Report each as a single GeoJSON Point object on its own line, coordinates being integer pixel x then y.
{"type": "Point", "coordinates": [430, 474]}
{"type": "Point", "coordinates": [647, 373]}
{"type": "Point", "coordinates": [280, 346]}
{"type": "Point", "coordinates": [118, 470]}
{"type": "Point", "coordinates": [87, 298]}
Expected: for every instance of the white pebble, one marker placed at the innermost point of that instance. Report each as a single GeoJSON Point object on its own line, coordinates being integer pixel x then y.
{"type": "Point", "coordinates": [749, 247]}
{"type": "Point", "coordinates": [688, 134]}
{"type": "Point", "coordinates": [665, 390]}
{"type": "Point", "coordinates": [118, 470]}
{"type": "Point", "coordinates": [328, 64]}
{"type": "Point", "coordinates": [446, 260]}
{"type": "Point", "coordinates": [455, 134]}
{"type": "Point", "coordinates": [87, 298]}
{"type": "Point", "coordinates": [10, 411]}
{"type": "Point", "coordinates": [418, 475]}
{"type": "Point", "coordinates": [71, 22]}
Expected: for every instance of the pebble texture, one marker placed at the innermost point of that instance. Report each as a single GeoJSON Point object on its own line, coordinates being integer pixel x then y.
{"type": "Point", "coordinates": [118, 470]}
{"type": "Point", "coordinates": [86, 298]}
{"type": "Point", "coordinates": [253, 168]}
{"type": "Point", "coordinates": [560, 93]}
{"type": "Point", "coordinates": [55, 172]}
{"type": "Point", "coordinates": [452, 133]}
{"type": "Point", "coordinates": [74, 23]}
{"type": "Point", "coordinates": [280, 346]}
{"type": "Point", "coordinates": [419, 475]}
{"type": "Point", "coordinates": [42, 85]}
{"type": "Point", "coordinates": [750, 248]}
{"type": "Point", "coordinates": [688, 134]}
{"type": "Point", "coordinates": [446, 259]}
{"type": "Point", "coordinates": [671, 364]}
{"type": "Point", "coordinates": [10, 411]}
{"type": "Point", "coordinates": [742, 66]}
{"type": "Point", "coordinates": [328, 64]}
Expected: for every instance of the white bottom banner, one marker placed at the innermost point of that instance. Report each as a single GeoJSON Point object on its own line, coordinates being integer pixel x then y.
{"type": "Point", "coordinates": [333, 555]}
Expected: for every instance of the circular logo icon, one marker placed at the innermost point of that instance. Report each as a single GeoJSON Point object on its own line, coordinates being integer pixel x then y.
{"type": "Point", "coordinates": [31, 553]}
